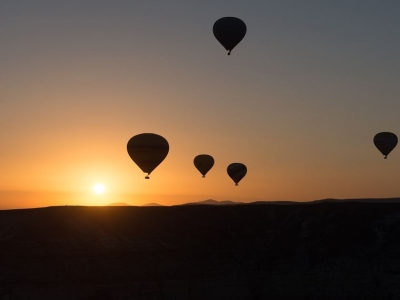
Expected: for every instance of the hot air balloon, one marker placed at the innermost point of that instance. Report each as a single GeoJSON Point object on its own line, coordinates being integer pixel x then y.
{"type": "Point", "coordinates": [203, 163]}
{"type": "Point", "coordinates": [385, 142]}
{"type": "Point", "coordinates": [236, 171]}
{"type": "Point", "coordinates": [147, 150]}
{"type": "Point", "coordinates": [229, 31]}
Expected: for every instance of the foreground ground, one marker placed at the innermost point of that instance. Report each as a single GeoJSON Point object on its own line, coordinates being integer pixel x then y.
{"type": "Point", "coordinates": [298, 251]}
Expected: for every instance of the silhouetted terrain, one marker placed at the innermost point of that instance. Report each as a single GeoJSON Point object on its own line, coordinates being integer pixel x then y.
{"type": "Point", "coordinates": [152, 204]}
{"type": "Point", "coordinates": [213, 202]}
{"type": "Point", "coordinates": [327, 250]}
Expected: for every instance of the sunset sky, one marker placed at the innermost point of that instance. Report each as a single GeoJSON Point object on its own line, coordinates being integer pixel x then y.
{"type": "Point", "coordinates": [298, 101]}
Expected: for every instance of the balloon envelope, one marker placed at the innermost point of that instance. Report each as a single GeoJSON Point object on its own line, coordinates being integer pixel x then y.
{"type": "Point", "coordinates": [236, 171]}
{"type": "Point", "coordinates": [203, 163]}
{"type": "Point", "coordinates": [147, 150]}
{"type": "Point", "coordinates": [229, 31]}
{"type": "Point", "coordinates": [385, 142]}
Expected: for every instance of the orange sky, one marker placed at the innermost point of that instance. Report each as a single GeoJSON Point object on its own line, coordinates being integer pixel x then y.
{"type": "Point", "coordinates": [298, 101]}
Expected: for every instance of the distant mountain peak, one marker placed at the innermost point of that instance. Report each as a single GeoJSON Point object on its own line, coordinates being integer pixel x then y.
{"type": "Point", "coordinates": [213, 202]}
{"type": "Point", "coordinates": [118, 204]}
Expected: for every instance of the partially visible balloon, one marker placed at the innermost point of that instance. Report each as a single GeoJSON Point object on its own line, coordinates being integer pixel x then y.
{"type": "Point", "coordinates": [385, 142]}
{"type": "Point", "coordinates": [203, 163]}
{"type": "Point", "coordinates": [229, 31]}
{"type": "Point", "coordinates": [147, 150]}
{"type": "Point", "coordinates": [236, 171]}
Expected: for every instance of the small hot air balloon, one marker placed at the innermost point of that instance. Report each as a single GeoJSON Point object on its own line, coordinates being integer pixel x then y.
{"type": "Point", "coordinates": [147, 150]}
{"type": "Point", "coordinates": [385, 142]}
{"type": "Point", "coordinates": [203, 163]}
{"type": "Point", "coordinates": [229, 31]}
{"type": "Point", "coordinates": [236, 171]}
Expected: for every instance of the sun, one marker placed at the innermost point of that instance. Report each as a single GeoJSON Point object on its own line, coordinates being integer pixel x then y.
{"type": "Point", "coordinates": [99, 188]}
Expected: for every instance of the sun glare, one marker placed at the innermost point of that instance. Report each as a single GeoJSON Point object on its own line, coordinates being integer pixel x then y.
{"type": "Point", "coordinates": [99, 188]}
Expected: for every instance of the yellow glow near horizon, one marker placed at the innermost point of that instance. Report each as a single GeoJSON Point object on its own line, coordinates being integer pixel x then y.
{"type": "Point", "coordinates": [99, 188]}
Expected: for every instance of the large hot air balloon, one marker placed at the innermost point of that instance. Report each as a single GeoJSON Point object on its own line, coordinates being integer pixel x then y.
{"type": "Point", "coordinates": [236, 171]}
{"type": "Point", "coordinates": [385, 142]}
{"type": "Point", "coordinates": [147, 150]}
{"type": "Point", "coordinates": [203, 163]}
{"type": "Point", "coordinates": [229, 31]}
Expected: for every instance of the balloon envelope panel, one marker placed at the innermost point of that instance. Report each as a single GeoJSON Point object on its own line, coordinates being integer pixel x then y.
{"type": "Point", "coordinates": [229, 31]}
{"type": "Point", "coordinates": [147, 150]}
{"type": "Point", "coordinates": [385, 142]}
{"type": "Point", "coordinates": [203, 163]}
{"type": "Point", "coordinates": [237, 171]}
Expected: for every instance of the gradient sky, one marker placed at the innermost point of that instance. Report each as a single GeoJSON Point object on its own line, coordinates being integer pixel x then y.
{"type": "Point", "coordinates": [298, 101]}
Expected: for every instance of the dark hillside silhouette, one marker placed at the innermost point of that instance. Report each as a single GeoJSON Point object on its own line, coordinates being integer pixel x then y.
{"type": "Point", "coordinates": [333, 250]}
{"type": "Point", "coordinates": [213, 202]}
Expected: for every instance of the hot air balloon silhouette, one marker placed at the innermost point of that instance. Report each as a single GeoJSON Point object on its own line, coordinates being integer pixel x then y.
{"type": "Point", "coordinates": [229, 31]}
{"type": "Point", "coordinates": [236, 171]}
{"type": "Point", "coordinates": [203, 163]}
{"type": "Point", "coordinates": [148, 150]}
{"type": "Point", "coordinates": [385, 142]}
